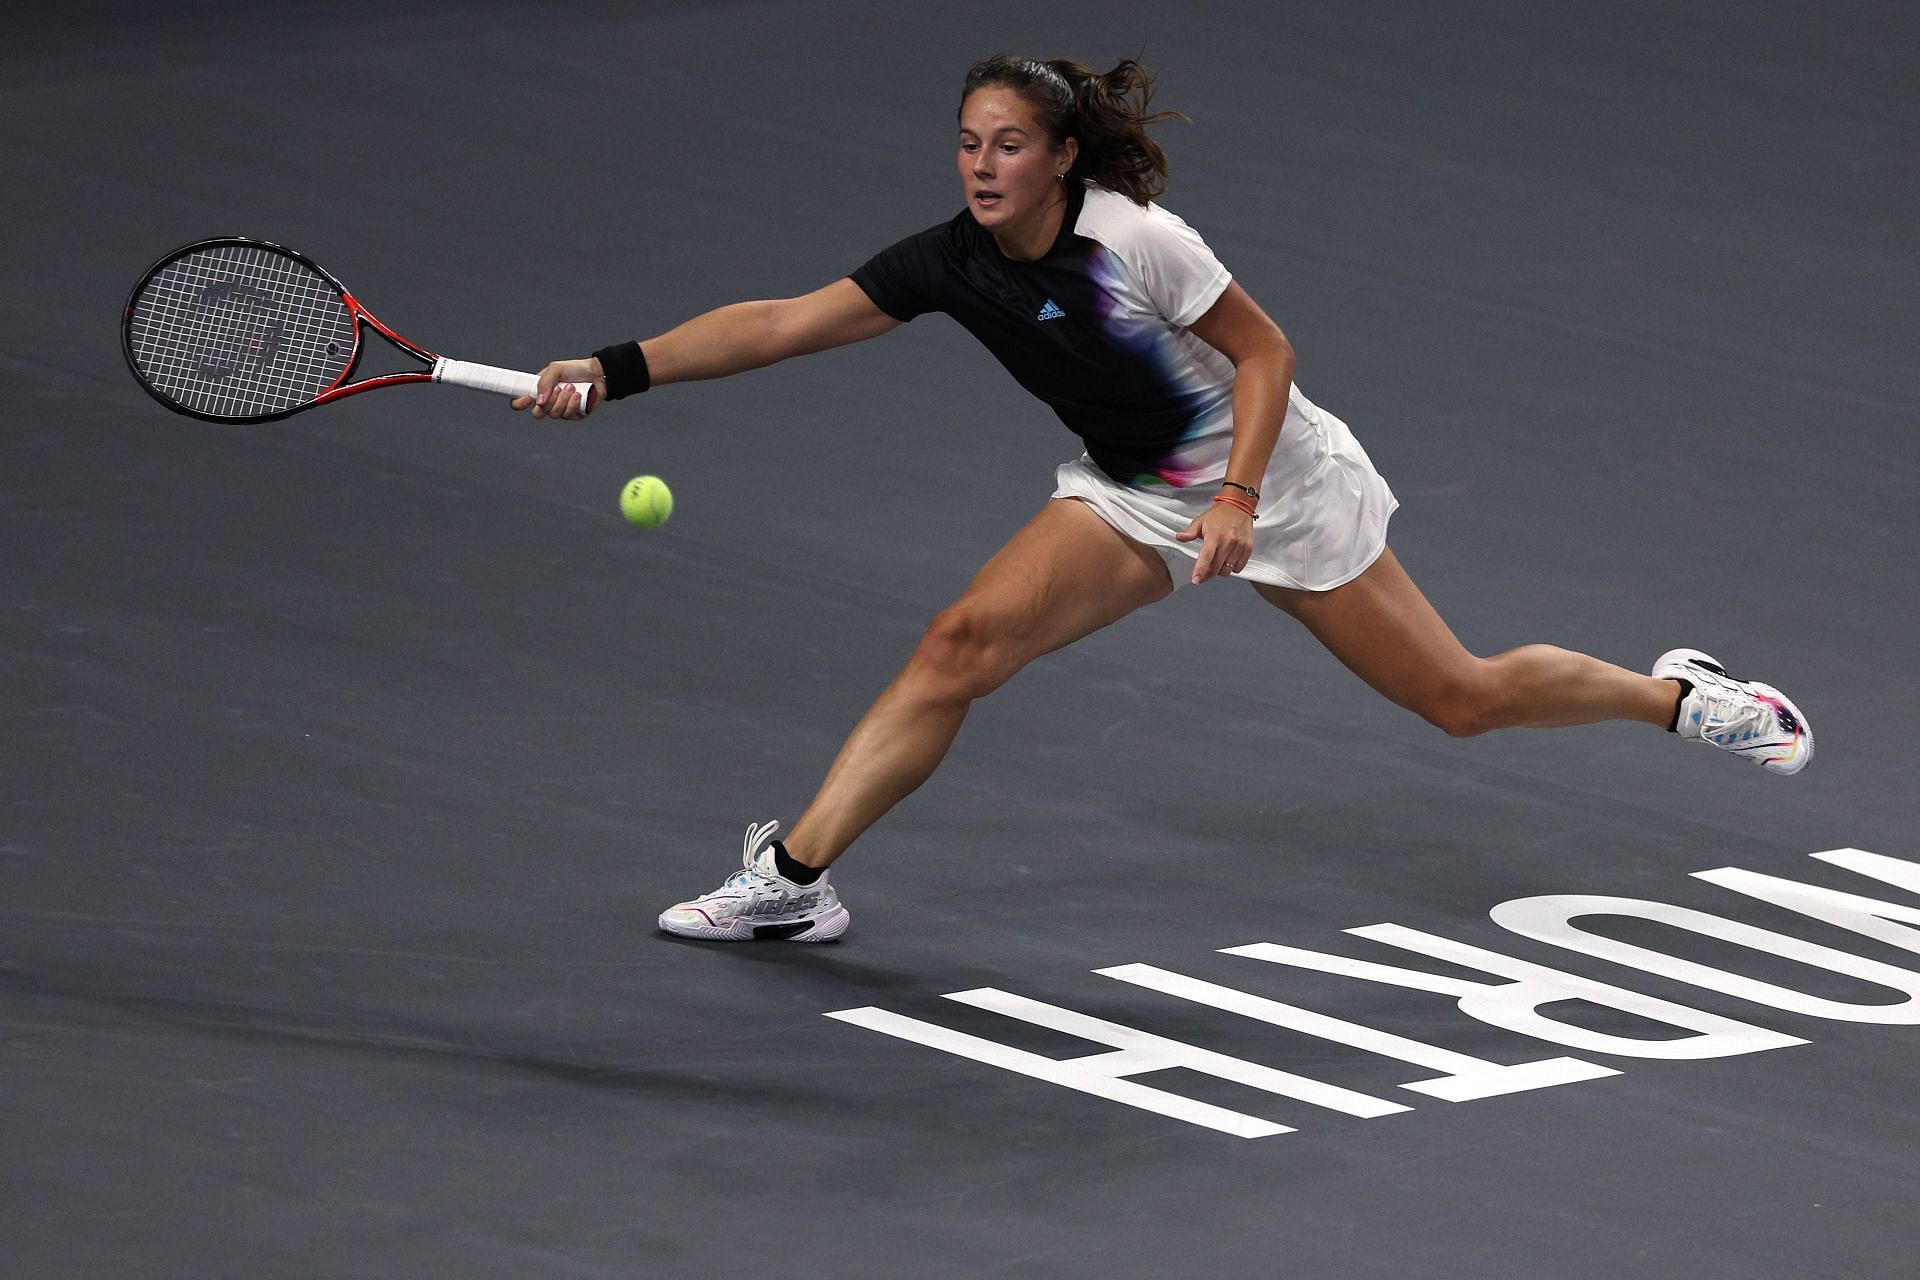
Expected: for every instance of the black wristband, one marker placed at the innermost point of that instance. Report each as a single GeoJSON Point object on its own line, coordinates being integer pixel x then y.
{"type": "Point", "coordinates": [1247, 489]}
{"type": "Point", "coordinates": [625, 369]}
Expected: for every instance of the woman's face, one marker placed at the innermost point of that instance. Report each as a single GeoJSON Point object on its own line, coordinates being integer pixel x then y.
{"type": "Point", "coordinates": [1009, 168]}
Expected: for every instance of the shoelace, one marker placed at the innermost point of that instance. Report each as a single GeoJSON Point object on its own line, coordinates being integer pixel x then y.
{"type": "Point", "coordinates": [758, 834]}
{"type": "Point", "coordinates": [1732, 715]}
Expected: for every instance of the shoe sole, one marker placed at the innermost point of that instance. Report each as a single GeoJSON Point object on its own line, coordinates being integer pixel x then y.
{"type": "Point", "coordinates": [825, 927]}
{"type": "Point", "coordinates": [1674, 662]}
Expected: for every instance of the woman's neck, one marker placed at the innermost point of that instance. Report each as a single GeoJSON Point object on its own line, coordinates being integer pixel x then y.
{"type": "Point", "coordinates": [1031, 242]}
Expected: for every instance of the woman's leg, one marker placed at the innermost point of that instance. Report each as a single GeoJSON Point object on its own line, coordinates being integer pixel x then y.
{"type": "Point", "coordinates": [1067, 574]}
{"type": "Point", "coordinates": [1386, 633]}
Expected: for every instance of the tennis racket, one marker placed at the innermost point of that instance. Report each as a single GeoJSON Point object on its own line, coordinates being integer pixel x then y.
{"type": "Point", "coordinates": [238, 330]}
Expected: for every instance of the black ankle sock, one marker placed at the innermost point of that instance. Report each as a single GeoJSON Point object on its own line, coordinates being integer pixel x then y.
{"type": "Point", "coordinates": [1686, 687]}
{"type": "Point", "coordinates": [798, 872]}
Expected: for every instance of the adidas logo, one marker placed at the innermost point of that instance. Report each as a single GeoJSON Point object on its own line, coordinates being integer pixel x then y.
{"type": "Point", "coordinates": [1051, 311]}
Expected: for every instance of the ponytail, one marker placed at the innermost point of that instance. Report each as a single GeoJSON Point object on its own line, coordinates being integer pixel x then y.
{"type": "Point", "coordinates": [1108, 114]}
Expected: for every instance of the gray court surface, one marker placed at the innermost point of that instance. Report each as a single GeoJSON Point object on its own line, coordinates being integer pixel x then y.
{"type": "Point", "coordinates": [346, 762]}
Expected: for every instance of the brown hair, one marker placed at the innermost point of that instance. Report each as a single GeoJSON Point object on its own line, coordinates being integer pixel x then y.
{"type": "Point", "coordinates": [1109, 114]}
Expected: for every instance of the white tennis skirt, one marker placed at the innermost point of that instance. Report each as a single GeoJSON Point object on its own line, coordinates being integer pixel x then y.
{"type": "Point", "coordinates": [1321, 519]}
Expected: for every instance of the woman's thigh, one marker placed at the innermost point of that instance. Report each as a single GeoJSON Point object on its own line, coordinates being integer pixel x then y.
{"type": "Point", "coordinates": [1066, 574]}
{"type": "Point", "coordinates": [1385, 631]}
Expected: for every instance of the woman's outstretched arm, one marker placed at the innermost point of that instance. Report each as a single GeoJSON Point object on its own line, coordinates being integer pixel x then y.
{"type": "Point", "coordinates": [727, 340]}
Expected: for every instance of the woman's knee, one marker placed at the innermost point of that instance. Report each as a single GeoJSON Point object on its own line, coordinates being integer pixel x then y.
{"type": "Point", "coordinates": [961, 656]}
{"type": "Point", "coordinates": [1467, 703]}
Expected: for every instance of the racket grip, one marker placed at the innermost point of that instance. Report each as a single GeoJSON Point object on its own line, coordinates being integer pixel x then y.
{"type": "Point", "coordinates": [501, 382]}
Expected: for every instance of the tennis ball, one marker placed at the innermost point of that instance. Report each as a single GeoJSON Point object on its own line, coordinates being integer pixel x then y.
{"type": "Point", "coordinates": [646, 501]}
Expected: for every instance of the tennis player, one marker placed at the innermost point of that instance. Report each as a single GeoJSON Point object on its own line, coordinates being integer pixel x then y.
{"type": "Point", "coordinates": [1203, 460]}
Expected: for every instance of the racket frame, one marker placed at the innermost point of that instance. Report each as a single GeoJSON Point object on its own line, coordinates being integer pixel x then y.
{"type": "Point", "coordinates": [340, 388]}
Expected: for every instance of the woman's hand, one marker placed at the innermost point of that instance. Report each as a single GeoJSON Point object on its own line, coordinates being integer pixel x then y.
{"type": "Point", "coordinates": [563, 402]}
{"type": "Point", "coordinates": [1227, 540]}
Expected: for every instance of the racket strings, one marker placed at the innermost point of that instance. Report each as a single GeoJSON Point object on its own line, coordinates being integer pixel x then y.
{"type": "Point", "coordinates": [236, 331]}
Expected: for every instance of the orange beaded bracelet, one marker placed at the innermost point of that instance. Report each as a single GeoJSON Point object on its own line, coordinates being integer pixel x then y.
{"type": "Point", "coordinates": [1240, 503]}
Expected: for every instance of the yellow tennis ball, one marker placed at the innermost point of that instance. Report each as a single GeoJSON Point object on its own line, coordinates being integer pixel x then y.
{"type": "Point", "coordinates": [646, 501]}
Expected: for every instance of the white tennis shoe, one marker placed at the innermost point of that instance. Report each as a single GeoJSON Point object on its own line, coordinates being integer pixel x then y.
{"type": "Point", "coordinates": [1754, 721]}
{"type": "Point", "coordinates": [758, 902]}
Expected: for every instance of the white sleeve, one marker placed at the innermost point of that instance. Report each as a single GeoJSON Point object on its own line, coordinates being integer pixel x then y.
{"type": "Point", "coordinates": [1179, 271]}
{"type": "Point", "coordinates": [1169, 259]}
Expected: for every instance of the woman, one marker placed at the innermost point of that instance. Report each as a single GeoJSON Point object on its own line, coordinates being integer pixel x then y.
{"type": "Point", "coordinates": [1202, 460]}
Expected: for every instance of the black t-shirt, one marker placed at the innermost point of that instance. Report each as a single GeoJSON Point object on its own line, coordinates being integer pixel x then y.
{"type": "Point", "coordinates": [1096, 328]}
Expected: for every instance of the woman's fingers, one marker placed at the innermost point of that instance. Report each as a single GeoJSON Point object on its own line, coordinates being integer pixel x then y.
{"type": "Point", "coordinates": [554, 398]}
{"type": "Point", "coordinates": [1229, 543]}
{"type": "Point", "coordinates": [1214, 559]}
{"type": "Point", "coordinates": [548, 376]}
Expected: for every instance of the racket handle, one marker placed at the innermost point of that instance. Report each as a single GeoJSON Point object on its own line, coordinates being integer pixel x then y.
{"type": "Point", "coordinates": [502, 382]}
